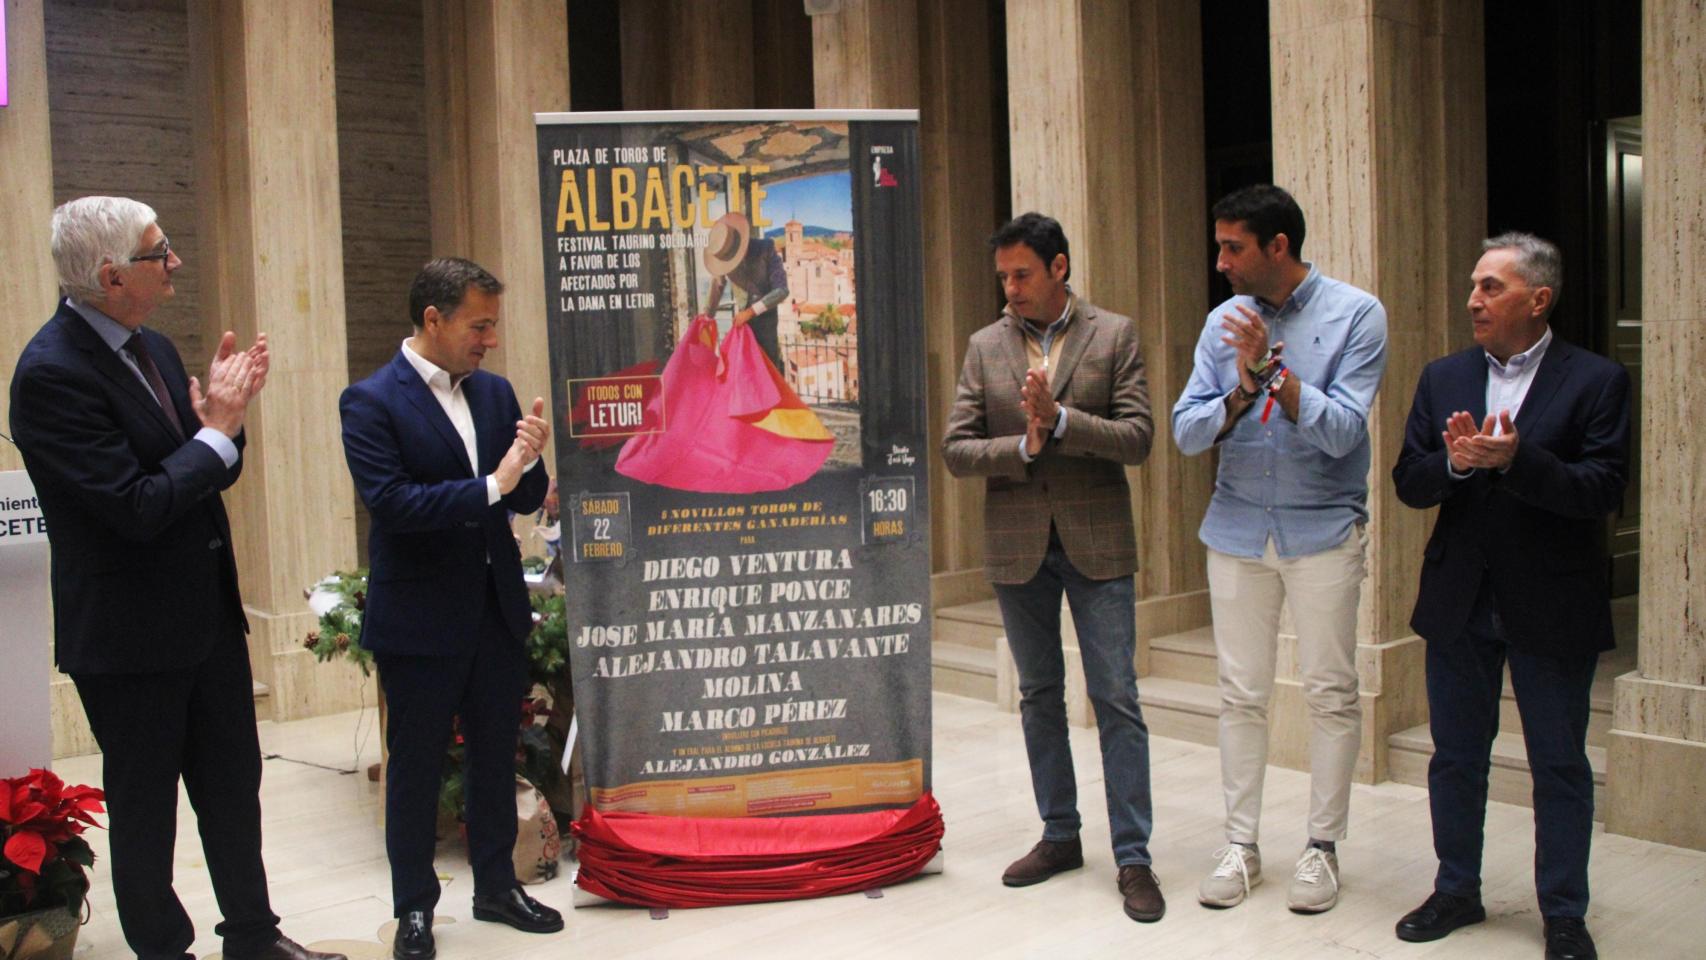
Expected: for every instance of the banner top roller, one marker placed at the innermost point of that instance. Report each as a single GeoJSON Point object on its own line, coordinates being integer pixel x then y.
{"type": "Point", "coordinates": [719, 116]}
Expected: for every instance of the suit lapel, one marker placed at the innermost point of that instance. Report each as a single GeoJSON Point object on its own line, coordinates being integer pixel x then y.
{"type": "Point", "coordinates": [1475, 384]}
{"type": "Point", "coordinates": [477, 412]}
{"type": "Point", "coordinates": [107, 363]}
{"type": "Point", "coordinates": [1017, 360]}
{"type": "Point", "coordinates": [1553, 369]}
{"type": "Point", "coordinates": [1079, 333]}
{"type": "Point", "coordinates": [420, 395]}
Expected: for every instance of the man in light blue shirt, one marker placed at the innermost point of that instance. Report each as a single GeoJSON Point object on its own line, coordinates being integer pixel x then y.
{"type": "Point", "coordinates": [1284, 377]}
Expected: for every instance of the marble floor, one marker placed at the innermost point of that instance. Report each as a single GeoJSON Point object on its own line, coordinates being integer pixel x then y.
{"type": "Point", "coordinates": [326, 861]}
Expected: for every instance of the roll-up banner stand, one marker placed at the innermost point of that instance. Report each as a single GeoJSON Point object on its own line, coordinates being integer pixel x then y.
{"type": "Point", "coordinates": [735, 307]}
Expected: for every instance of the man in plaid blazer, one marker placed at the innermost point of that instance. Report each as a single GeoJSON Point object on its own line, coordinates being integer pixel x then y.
{"type": "Point", "coordinates": [1052, 406]}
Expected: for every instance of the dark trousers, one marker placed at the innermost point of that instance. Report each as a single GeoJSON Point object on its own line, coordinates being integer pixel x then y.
{"type": "Point", "coordinates": [483, 685]}
{"type": "Point", "coordinates": [1464, 684]}
{"type": "Point", "coordinates": [198, 724]}
{"type": "Point", "coordinates": [764, 330]}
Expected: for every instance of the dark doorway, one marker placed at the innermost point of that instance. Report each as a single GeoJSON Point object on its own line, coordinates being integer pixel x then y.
{"type": "Point", "coordinates": [1237, 108]}
{"type": "Point", "coordinates": [1564, 162]}
{"type": "Point", "coordinates": [595, 55]}
{"type": "Point", "coordinates": [1553, 82]}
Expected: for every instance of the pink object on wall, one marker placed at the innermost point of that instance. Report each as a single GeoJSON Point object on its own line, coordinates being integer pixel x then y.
{"type": "Point", "coordinates": [3, 100]}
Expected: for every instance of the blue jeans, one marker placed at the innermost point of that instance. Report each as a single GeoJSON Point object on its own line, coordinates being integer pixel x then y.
{"type": "Point", "coordinates": [1465, 675]}
{"type": "Point", "coordinates": [1105, 614]}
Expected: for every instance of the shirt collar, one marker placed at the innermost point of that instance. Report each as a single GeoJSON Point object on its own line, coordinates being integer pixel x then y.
{"type": "Point", "coordinates": [1299, 298]}
{"type": "Point", "coordinates": [1058, 325]}
{"type": "Point", "coordinates": [1526, 360]}
{"type": "Point", "coordinates": [114, 334]}
{"type": "Point", "coordinates": [435, 376]}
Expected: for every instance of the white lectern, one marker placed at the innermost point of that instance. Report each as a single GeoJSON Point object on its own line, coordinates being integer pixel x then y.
{"type": "Point", "coordinates": [26, 661]}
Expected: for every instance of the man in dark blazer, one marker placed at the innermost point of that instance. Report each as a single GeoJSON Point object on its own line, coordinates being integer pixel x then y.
{"type": "Point", "coordinates": [1052, 406]}
{"type": "Point", "coordinates": [442, 455]}
{"type": "Point", "coordinates": [128, 455]}
{"type": "Point", "coordinates": [1522, 442]}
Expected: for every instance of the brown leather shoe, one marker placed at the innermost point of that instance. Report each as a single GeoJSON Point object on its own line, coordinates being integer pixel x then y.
{"type": "Point", "coordinates": [1046, 859]}
{"type": "Point", "coordinates": [1142, 892]}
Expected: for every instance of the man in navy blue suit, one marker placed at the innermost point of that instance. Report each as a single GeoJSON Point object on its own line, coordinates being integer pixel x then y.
{"type": "Point", "coordinates": [441, 455]}
{"type": "Point", "coordinates": [129, 454]}
{"type": "Point", "coordinates": [1522, 441]}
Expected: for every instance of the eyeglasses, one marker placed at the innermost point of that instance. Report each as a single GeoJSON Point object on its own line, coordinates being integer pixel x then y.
{"type": "Point", "coordinates": [164, 255]}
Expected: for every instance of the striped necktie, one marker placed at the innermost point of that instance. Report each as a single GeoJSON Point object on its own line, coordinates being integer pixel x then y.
{"type": "Point", "coordinates": [151, 373]}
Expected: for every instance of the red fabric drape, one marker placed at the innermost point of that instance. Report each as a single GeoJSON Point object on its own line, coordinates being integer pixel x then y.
{"type": "Point", "coordinates": [655, 861]}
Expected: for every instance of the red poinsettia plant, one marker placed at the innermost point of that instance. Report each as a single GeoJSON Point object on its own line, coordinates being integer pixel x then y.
{"type": "Point", "coordinates": [44, 855]}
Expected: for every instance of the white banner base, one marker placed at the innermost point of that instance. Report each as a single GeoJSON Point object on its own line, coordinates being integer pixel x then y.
{"type": "Point", "coordinates": [27, 647]}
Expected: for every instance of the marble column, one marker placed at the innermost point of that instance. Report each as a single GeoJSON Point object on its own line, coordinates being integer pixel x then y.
{"type": "Point", "coordinates": [1073, 135]}
{"type": "Point", "coordinates": [490, 66]}
{"type": "Point", "coordinates": [865, 55]}
{"type": "Point", "coordinates": [1105, 126]}
{"type": "Point", "coordinates": [266, 167]}
{"type": "Point", "coordinates": [1656, 757]}
{"type": "Point", "coordinates": [29, 283]}
{"type": "Point", "coordinates": [1379, 134]}
{"type": "Point", "coordinates": [1172, 490]}
{"type": "Point", "coordinates": [933, 57]}
{"type": "Point", "coordinates": [687, 56]}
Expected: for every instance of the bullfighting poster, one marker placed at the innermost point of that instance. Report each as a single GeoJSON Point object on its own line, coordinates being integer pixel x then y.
{"type": "Point", "coordinates": [737, 356]}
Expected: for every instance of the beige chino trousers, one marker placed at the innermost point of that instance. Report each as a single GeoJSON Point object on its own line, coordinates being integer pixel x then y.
{"type": "Point", "coordinates": [1322, 591]}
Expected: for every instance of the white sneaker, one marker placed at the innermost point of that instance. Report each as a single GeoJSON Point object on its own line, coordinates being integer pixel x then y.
{"type": "Point", "coordinates": [1315, 887]}
{"type": "Point", "coordinates": [1240, 868]}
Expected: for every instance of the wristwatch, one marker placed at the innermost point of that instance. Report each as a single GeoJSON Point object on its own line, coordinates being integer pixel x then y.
{"type": "Point", "coordinates": [1259, 370]}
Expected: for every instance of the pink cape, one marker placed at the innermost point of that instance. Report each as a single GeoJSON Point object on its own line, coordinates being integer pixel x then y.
{"type": "Point", "coordinates": [731, 423]}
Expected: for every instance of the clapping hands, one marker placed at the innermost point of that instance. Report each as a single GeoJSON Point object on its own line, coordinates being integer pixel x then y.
{"type": "Point", "coordinates": [1247, 335]}
{"type": "Point", "coordinates": [531, 434]}
{"type": "Point", "coordinates": [233, 379]}
{"type": "Point", "coordinates": [1041, 410]}
{"type": "Point", "coordinates": [1470, 448]}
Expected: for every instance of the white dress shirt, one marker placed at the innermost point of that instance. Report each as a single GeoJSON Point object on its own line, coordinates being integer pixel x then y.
{"type": "Point", "coordinates": [448, 393]}
{"type": "Point", "coordinates": [1507, 387]}
{"type": "Point", "coordinates": [1508, 382]}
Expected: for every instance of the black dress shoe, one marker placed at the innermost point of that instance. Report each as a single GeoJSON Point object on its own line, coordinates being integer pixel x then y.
{"type": "Point", "coordinates": [1567, 939]}
{"type": "Point", "coordinates": [285, 948]}
{"type": "Point", "coordinates": [1440, 914]}
{"type": "Point", "coordinates": [414, 937]}
{"type": "Point", "coordinates": [519, 911]}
